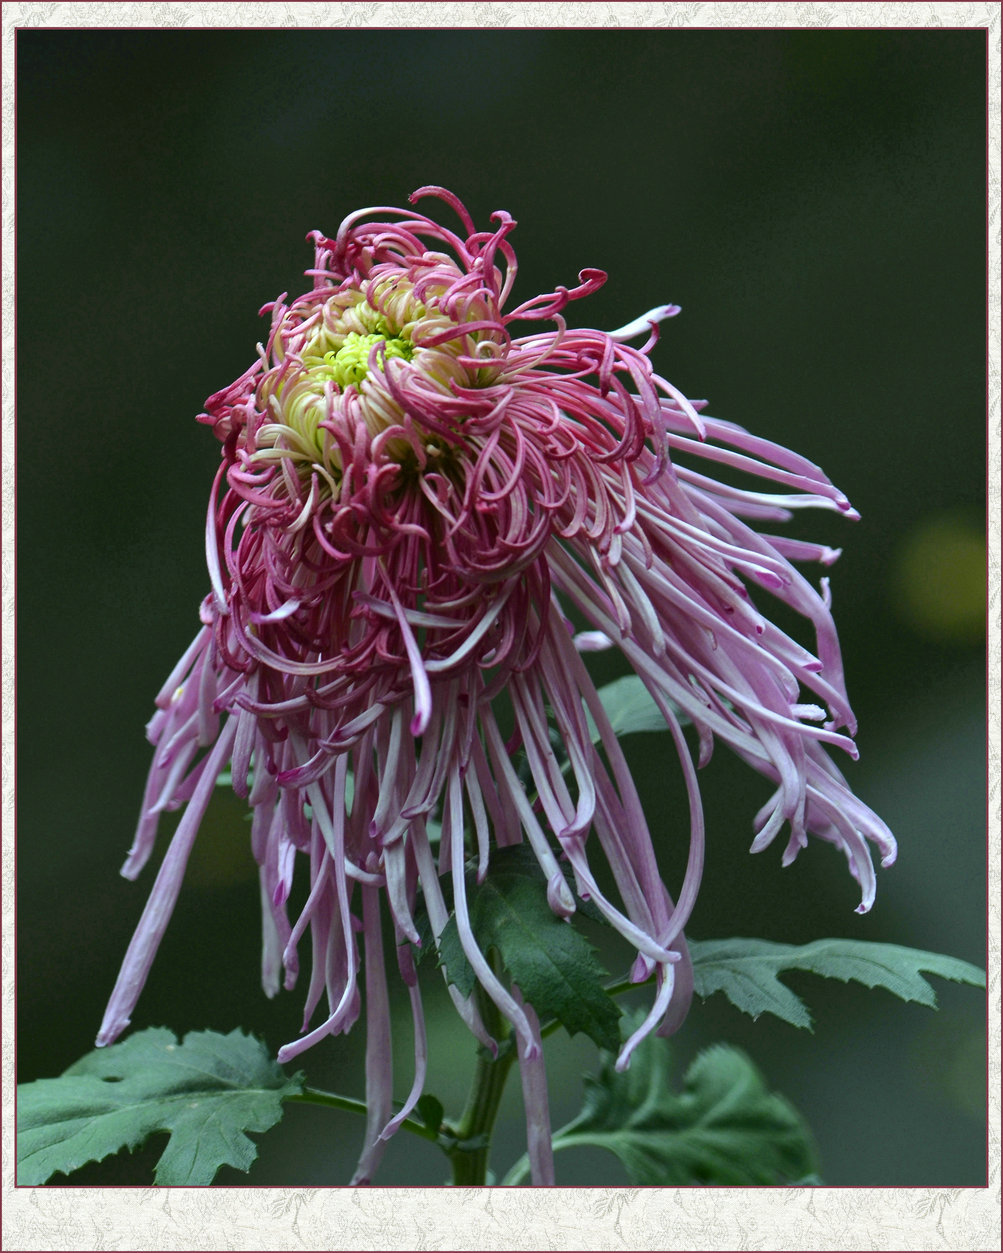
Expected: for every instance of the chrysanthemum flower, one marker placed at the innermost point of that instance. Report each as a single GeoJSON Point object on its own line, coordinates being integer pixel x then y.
{"type": "Point", "coordinates": [412, 504]}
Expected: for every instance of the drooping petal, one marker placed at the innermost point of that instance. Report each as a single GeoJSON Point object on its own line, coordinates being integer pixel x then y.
{"type": "Point", "coordinates": [157, 914]}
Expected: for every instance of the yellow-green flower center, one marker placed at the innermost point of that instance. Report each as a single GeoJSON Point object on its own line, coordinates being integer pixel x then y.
{"type": "Point", "coordinates": [345, 346]}
{"type": "Point", "coordinates": [350, 363]}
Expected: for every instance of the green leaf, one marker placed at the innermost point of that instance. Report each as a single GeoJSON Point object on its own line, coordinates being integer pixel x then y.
{"type": "Point", "coordinates": [431, 1112]}
{"type": "Point", "coordinates": [448, 952]}
{"type": "Point", "coordinates": [629, 707]}
{"type": "Point", "coordinates": [554, 965]}
{"type": "Point", "coordinates": [206, 1092]}
{"type": "Point", "coordinates": [725, 1127]}
{"type": "Point", "coordinates": [746, 972]}
{"type": "Point", "coordinates": [453, 959]}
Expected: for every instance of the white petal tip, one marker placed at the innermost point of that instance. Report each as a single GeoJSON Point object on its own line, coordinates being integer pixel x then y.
{"type": "Point", "coordinates": [110, 1032]}
{"type": "Point", "coordinates": [645, 322]}
{"type": "Point", "coordinates": [592, 641]}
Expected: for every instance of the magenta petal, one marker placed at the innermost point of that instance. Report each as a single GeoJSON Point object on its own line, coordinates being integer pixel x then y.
{"type": "Point", "coordinates": [535, 1100]}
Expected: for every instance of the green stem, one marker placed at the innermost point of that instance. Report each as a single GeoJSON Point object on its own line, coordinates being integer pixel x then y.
{"type": "Point", "coordinates": [469, 1155]}
{"type": "Point", "coordinates": [314, 1096]}
{"type": "Point", "coordinates": [467, 1143]}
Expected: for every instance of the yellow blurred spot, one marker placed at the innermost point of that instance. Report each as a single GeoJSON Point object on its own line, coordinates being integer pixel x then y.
{"type": "Point", "coordinates": [940, 578]}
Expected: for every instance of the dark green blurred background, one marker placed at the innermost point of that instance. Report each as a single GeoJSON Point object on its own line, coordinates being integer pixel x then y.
{"type": "Point", "coordinates": [815, 200]}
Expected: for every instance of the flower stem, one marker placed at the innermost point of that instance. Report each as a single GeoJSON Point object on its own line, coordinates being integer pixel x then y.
{"type": "Point", "coordinates": [467, 1143]}
{"type": "Point", "coordinates": [469, 1155]}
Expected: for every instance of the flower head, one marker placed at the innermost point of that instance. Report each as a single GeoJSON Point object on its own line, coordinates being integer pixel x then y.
{"type": "Point", "coordinates": [412, 502]}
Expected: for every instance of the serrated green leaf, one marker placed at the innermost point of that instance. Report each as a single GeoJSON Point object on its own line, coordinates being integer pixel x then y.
{"type": "Point", "coordinates": [206, 1092]}
{"type": "Point", "coordinates": [554, 965]}
{"type": "Point", "coordinates": [746, 971]}
{"type": "Point", "coordinates": [426, 937]}
{"type": "Point", "coordinates": [453, 959]}
{"type": "Point", "coordinates": [448, 952]}
{"type": "Point", "coordinates": [725, 1127]}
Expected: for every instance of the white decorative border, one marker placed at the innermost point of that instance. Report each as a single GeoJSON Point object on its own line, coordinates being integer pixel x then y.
{"type": "Point", "coordinates": [503, 1219]}
{"type": "Point", "coordinates": [497, 13]}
